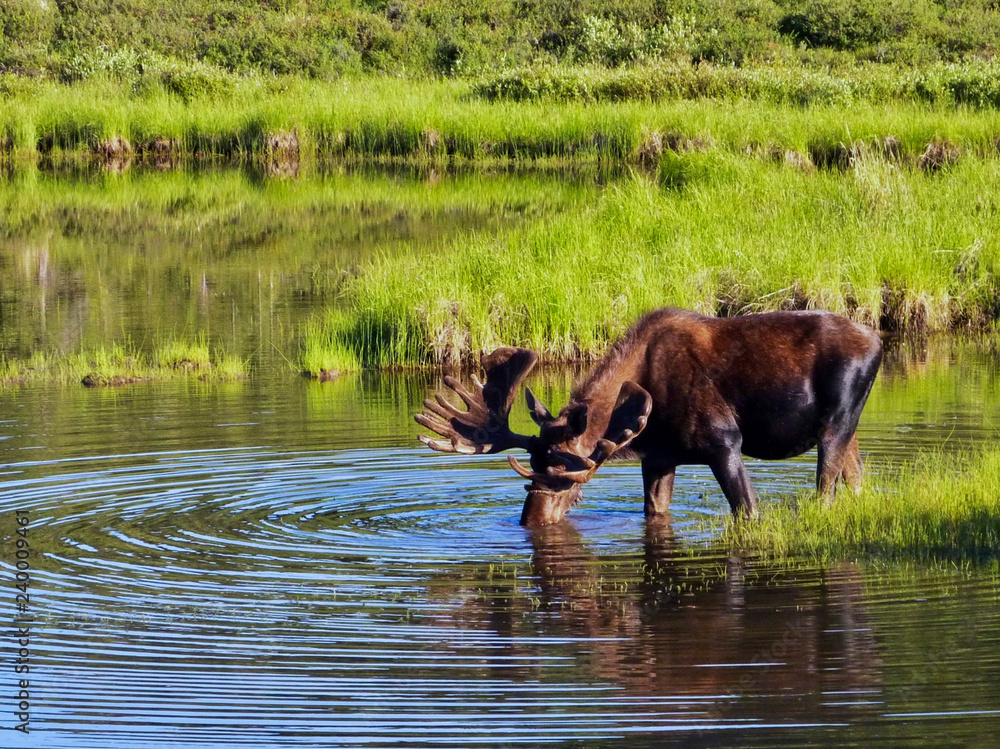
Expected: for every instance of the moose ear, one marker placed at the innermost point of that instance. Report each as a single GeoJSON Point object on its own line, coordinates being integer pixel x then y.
{"type": "Point", "coordinates": [539, 413]}
{"type": "Point", "coordinates": [630, 413]}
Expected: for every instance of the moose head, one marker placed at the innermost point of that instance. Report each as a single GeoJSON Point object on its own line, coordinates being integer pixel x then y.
{"type": "Point", "coordinates": [569, 448]}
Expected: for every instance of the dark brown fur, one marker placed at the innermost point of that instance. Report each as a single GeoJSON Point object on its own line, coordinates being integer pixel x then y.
{"type": "Point", "coordinates": [769, 386]}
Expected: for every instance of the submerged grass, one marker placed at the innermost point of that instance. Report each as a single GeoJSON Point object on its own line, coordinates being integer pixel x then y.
{"type": "Point", "coordinates": [941, 506]}
{"type": "Point", "coordinates": [123, 364]}
{"type": "Point", "coordinates": [895, 247]}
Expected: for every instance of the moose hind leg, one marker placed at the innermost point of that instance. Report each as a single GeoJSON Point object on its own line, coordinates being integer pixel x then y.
{"type": "Point", "coordinates": [853, 465]}
{"type": "Point", "coordinates": [731, 473]}
{"type": "Point", "coordinates": [831, 464]}
{"type": "Point", "coordinates": [846, 392]}
{"type": "Point", "coordinates": [657, 487]}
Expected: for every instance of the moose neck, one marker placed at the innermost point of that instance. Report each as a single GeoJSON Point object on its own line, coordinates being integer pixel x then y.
{"type": "Point", "coordinates": [599, 389]}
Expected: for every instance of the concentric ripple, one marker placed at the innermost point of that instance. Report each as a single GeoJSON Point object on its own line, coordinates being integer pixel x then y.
{"type": "Point", "coordinates": [245, 596]}
{"type": "Point", "coordinates": [194, 591]}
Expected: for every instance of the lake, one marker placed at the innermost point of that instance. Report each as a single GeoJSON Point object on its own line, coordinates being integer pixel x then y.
{"type": "Point", "coordinates": [278, 562]}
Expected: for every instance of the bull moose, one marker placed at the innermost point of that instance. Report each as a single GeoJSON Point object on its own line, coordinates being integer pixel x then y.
{"type": "Point", "coordinates": [677, 389]}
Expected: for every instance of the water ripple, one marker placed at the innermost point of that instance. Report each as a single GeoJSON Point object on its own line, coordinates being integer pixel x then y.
{"type": "Point", "coordinates": [256, 597]}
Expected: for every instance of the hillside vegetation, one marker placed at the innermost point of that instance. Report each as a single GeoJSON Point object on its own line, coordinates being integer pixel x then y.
{"type": "Point", "coordinates": [125, 79]}
{"type": "Point", "coordinates": [71, 39]}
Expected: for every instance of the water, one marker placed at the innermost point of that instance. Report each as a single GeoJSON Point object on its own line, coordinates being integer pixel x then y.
{"type": "Point", "coordinates": [92, 258]}
{"type": "Point", "coordinates": [279, 563]}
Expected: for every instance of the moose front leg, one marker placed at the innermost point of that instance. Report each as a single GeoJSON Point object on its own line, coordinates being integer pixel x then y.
{"type": "Point", "coordinates": [657, 487]}
{"type": "Point", "coordinates": [731, 473]}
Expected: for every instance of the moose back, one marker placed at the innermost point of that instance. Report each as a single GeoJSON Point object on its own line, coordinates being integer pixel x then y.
{"type": "Point", "coordinates": [679, 389]}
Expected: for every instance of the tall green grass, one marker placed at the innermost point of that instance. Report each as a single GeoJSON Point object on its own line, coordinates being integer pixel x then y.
{"type": "Point", "coordinates": [436, 120]}
{"type": "Point", "coordinates": [894, 247]}
{"type": "Point", "coordinates": [323, 354]}
{"type": "Point", "coordinates": [936, 506]}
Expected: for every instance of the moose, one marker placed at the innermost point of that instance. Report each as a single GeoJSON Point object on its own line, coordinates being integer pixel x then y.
{"type": "Point", "coordinates": [678, 388]}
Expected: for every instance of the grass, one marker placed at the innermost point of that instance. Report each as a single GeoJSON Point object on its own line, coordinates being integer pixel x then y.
{"type": "Point", "coordinates": [895, 247]}
{"type": "Point", "coordinates": [284, 120]}
{"type": "Point", "coordinates": [939, 506]}
{"type": "Point", "coordinates": [124, 364]}
{"type": "Point", "coordinates": [323, 357]}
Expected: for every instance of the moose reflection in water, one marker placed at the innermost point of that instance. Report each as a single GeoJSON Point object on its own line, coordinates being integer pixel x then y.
{"type": "Point", "coordinates": [679, 388]}
{"type": "Point", "coordinates": [738, 639]}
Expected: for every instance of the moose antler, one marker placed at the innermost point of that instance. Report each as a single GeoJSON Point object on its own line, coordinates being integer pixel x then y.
{"type": "Point", "coordinates": [628, 418]}
{"type": "Point", "coordinates": [483, 428]}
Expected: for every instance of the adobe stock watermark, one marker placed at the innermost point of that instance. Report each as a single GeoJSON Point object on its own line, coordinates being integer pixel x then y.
{"type": "Point", "coordinates": [22, 621]}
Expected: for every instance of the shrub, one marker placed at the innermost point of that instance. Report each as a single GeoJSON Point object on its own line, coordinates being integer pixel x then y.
{"type": "Point", "coordinates": [973, 83]}
{"type": "Point", "coordinates": [737, 30]}
{"type": "Point", "coordinates": [448, 56]}
{"type": "Point", "coordinates": [26, 28]}
{"type": "Point", "coordinates": [147, 72]}
{"type": "Point", "coordinates": [26, 22]}
{"type": "Point", "coordinates": [326, 38]}
{"type": "Point", "coordinates": [375, 41]}
{"type": "Point", "coordinates": [187, 81]}
{"type": "Point", "coordinates": [606, 42]}
{"type": "Point", "coordinates": [855, 24]}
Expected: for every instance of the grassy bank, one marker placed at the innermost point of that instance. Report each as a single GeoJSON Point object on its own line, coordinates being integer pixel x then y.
{"type": "Point", "coordinates": [280, 121]}
{"type": "Point", "coordinates": [123, 364]}
{"type": "Point", "coordinates": [939, 506]}
{"type": "Point", "coordinates": [896, 247]}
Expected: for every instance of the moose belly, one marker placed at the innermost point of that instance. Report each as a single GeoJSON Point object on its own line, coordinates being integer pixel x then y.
{"type": "Point", "coordinates": [775, 433]}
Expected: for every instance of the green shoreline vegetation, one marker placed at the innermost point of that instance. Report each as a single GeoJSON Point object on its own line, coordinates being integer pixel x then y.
{"type": "Point", "coordinates": [124, 364]}
{"type": "Point", "coordinates": [397, 79]}
{"type": "Point", "coordinates": [281, 122]}
{"type": "Point", "coordinates": [898, 247]}
{"type": "Point", "coordinates": [941, 506]}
